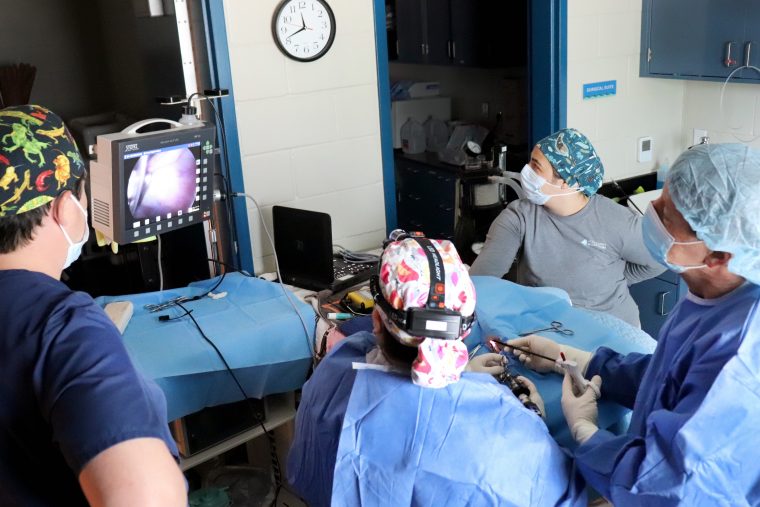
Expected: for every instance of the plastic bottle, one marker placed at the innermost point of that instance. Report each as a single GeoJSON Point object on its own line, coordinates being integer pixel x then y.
{"type": "Point", "coordinates": [412, 137]}
{"type": "Point", "coordinates": [436, 134]}
{"type": "Point", "coordinates": [662, 172]}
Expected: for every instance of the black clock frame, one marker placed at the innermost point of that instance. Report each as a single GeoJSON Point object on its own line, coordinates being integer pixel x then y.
{"type": "Point", "coordinates": [278, 11]}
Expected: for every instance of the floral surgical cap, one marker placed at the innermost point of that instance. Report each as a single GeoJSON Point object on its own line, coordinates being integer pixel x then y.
{"type": "Point", "coordinates": [716, 187]}
{"type": "Point", "coordinates": [574, 158]}
{"type": "Point", "coordinates": [405, 283]}
{"type": "Point", "coordinates": [38, 158]}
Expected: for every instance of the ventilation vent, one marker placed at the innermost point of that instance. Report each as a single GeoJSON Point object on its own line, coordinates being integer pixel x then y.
{"type": "Point", "coordinates": [101, 212]}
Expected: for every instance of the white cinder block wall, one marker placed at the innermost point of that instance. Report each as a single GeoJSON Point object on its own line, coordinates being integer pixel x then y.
{"type": "Point", "coordinates": [604, 44]}
{"type": "Point", "coordinates": [309, 132]}
{"type": "Point", "coordinates": [738, 122]}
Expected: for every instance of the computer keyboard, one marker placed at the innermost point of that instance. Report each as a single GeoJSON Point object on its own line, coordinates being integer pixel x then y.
{"type": "Point", "coordinates": [347, 270]}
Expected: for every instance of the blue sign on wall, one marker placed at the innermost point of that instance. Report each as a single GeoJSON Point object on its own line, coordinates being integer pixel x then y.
{"type": "Point", "coordinates": [600, 89]}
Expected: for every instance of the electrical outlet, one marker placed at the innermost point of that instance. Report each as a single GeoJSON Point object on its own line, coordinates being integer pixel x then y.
{"type": "Point", "coordinates": [698, 135]}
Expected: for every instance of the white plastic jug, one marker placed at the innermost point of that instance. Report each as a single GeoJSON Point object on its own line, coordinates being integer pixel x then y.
{"type": "Point", "coordinates": [412, 137]}
{"type": "Point", "coordinates": [436, 134]}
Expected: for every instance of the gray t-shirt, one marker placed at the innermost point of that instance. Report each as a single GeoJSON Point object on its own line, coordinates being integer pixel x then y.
{"type": "Point", "coordinates": [594, 254]}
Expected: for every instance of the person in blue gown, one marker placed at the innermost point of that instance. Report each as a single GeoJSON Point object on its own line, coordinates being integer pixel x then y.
{"type": "Point", "coordinates": [367, 435]}
{"type": "Point", "coordinates": [693, 437]}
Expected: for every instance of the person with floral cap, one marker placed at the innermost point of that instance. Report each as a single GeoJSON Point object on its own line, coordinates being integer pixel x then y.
{"type": "Point", "coordinates": [398, 416]}
{"type": "Point", "coordinates": [563, 234]}
{"type": "Point", "coordinates": [79, 424]}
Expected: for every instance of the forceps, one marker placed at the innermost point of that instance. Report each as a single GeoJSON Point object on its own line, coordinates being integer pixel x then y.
{"type": "Point", "coordinates": [152, 308]}
{"type": "Point", "coordinates": [556, 327]}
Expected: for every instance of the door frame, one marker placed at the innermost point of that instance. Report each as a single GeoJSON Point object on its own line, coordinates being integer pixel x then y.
{"type": "Point", "coordinates": [220, 70]}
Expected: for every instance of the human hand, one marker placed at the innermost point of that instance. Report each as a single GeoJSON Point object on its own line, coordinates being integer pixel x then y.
{"type": "Point", "coordinates": [541, 346]}
{"type": "Point", "coordinates": [487, 363]}
{"type": "Point", "coordinates": [581, 410]}
{"type": "Point", "coordinates": [538, 345]}
{"type": "Point", "coordinates": [534, 396]}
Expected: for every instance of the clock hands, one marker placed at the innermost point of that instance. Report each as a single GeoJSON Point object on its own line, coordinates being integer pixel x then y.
{"type": "Point", "coordinates": [303, 27]}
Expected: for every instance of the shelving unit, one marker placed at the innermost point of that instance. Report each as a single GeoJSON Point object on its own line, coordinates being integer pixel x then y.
{"type": "Point", "coordinates": [280, 409]}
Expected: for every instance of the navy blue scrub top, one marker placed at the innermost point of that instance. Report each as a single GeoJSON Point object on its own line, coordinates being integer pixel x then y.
{"type": "Point", "coordinates": [68, 390]}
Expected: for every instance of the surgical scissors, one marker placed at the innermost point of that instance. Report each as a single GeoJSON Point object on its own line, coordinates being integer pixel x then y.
{"type": "Point", "coordinates": [556, 327]}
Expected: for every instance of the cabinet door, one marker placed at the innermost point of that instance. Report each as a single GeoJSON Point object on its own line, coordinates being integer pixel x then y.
{"type": "Point", "coordinates": [436, 21]}
{"type": "Point", "coordinates": [689, 37]}
{"type": "Point", "coordinates": [751, 34]}
{"type": "Point", "coordinates": [409, 26]}
{"type": "Point", "coordinates": [655, 298]}
{"type": "Point", "coordinates": [467, 22]}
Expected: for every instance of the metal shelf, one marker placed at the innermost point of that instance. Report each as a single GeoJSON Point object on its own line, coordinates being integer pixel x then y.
{"type": "Point", "coordinates": [281, 409]}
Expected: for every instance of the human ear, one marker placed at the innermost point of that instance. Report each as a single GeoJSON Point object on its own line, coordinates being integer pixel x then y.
{"type": "Point", "coordinates": [715, 259]}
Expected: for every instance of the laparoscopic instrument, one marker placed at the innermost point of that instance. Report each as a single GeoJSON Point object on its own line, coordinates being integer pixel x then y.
{"type": "Point", "coordinates": [519, 389]}
{"type": "Point", "coordinates": [556, 327]}
{"type": "Point", "coordinates": [570, 367]}
{"type": "Point", "coordinates": [495, 341]}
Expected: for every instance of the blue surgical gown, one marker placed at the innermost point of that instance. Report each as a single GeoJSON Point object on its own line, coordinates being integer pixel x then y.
{"type": "Point", "coordinates": [373, 438]}
{"type": "Point", "coordinates": [694, 437]}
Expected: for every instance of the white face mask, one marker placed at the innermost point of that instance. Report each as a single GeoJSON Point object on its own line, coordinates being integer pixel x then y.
{"type": "Point", "coordinates": [75, 249]}
{"type": "Point", "coordinates": [532, 184]}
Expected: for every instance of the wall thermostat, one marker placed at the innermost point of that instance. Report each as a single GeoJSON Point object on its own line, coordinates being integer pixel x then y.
{"type": "Point", "coordinates": [645, 149]}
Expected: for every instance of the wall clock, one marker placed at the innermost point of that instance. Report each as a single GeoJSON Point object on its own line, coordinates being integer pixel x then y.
{"type": "Point", "coordinates": [304, 30]}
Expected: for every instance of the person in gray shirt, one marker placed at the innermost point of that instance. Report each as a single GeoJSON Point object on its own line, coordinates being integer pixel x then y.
{"type": "Point", "coordinates": [564, 235]}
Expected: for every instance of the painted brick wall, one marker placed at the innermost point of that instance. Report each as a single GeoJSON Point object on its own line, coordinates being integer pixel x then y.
{"type": "Point", "coordinates": [738, 122]}
{"type": "Point", "coordinates": [309, 132]}
{"type": "Point", "coordinates": [604, 44]}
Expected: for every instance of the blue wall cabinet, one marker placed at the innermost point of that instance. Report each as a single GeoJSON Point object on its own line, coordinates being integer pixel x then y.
{"type": "Point", "coordinates": [699, 39]}
{"type": "Point", "coordinates": [656, 298]}
{"type": "Point", "coordinates": [422, 31]}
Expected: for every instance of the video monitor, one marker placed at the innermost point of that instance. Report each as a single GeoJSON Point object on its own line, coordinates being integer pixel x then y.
{"type": "Point", "coordinates": [148, 184]}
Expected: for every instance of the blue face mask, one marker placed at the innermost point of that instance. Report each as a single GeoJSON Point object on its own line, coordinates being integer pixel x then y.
{"type": "Point", "coordinates": [659, 241]}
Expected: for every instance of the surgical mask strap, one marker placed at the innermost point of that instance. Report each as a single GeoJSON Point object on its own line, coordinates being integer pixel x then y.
{"type": "Point", "coordinates": [63, 229]}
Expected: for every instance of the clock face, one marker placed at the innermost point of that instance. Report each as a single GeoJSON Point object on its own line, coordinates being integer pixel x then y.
{"type": "Point", "coordinates": [303, 29]}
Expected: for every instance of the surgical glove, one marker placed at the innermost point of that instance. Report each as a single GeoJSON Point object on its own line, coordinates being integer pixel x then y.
{"type": "Point", "coordinates": [490, 363]}
{"type": "Point", "coordinates": [534, 396]}
{"type": "Point", "coordinates": [580, 410]}
{"type": "Point", "coordinates": [548, 348]}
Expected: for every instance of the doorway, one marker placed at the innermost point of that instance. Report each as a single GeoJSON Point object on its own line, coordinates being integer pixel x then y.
{"type": "Point", "coordinates": [521, 73]}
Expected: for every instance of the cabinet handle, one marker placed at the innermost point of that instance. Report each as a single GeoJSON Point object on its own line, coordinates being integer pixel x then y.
{"type": "Point", "coordinates": [422, 49]}
{"type": "Point", "coordinates": [414, 197]}
{"type": "Point", "coordinates": [454, 49]}
{"type": "Point", "coordinates": [445, 208]}
{"type": "Point", "coordinates": [448, 48]}
{"type": "Point", "coordinates": [729, 61]}
{"type": "Point", "coordinates": [747, 52]}
{"type": "Point", "coordinates": [662, 311]}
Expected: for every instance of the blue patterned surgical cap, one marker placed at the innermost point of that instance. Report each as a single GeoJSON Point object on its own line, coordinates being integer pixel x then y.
{"type": "Point", "coordinates": [574, 158]}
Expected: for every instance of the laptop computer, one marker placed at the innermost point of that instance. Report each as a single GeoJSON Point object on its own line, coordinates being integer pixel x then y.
{"type": "Point", "coordinates": [303, 242]}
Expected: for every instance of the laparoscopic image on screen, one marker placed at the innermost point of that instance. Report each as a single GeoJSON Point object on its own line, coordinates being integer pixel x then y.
{"type": "Point", "coordinates": [161, 182]}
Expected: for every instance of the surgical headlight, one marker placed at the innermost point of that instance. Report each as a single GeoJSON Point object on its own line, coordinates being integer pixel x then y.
{"type": "Point", "coordinates": [433, 320]}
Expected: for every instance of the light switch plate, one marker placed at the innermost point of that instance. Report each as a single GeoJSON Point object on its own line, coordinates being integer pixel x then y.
{"type": "Point", "coordinates": [646, 147]}
{"type": "Point", "coordinates": [698, 135]}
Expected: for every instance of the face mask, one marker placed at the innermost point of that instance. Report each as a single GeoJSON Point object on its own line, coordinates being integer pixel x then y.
{"type": "Point", "coordinates": [532, 184]}
{"type": "Point", "coordinates": [75, 249]}
{"type": "Point", "coordinates": [659, 241]}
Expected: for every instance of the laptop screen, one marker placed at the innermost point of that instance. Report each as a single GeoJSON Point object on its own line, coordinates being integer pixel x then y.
{"type": "Point", "coordinates": [303, 241]}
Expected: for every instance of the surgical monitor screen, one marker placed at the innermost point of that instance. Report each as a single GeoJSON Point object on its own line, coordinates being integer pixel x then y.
{"type": "Point", "coordinates": [164, 183]}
